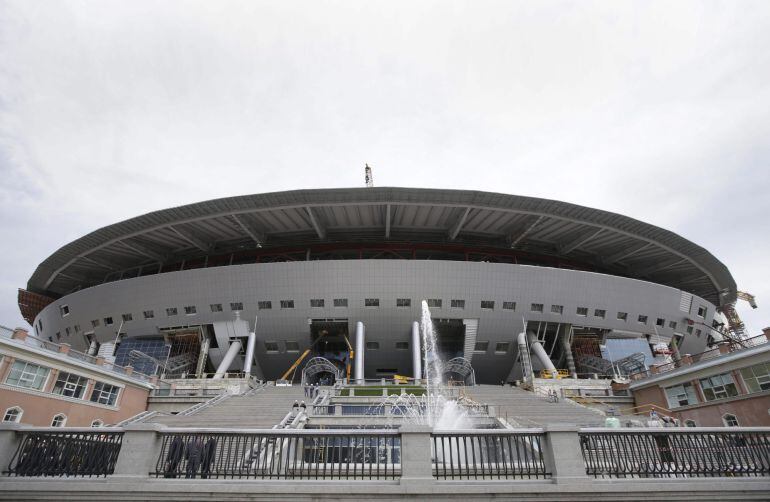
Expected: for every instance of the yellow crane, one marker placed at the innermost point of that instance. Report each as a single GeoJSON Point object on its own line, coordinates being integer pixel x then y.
{"type": "Point", "coordinates": [293, 367]}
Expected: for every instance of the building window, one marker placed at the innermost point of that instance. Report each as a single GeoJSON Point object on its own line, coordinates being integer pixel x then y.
{"type": "Point", "coordinates": [488, 304]}
{"type": "Point", "coordinates": [70, 385]}
{"type": "Point", "coordinates": [171, 311]}
{"type": "Point", "coordinates": [402, 345]}
{"type": "Point", "coordinates": [265, 305]}
{"type": "Point", "coordinates": [216, 307]}
{"type": "Point", "coordinates": [58, 336]}
{"type": "Point", "coordinates": [372, 345]}
{"type": "Point", "coordinates": [600, 313]}
{"type": "Point", "coordinates": [557, 309]}
{"type": "Point", "coordinates": [689, 330]}
{"type": "Point", "coordinates": [672, 324]}
{"type": "Point", "coordinates": [757, 377]}
{"type": "Point", "coordinates": [291, 346]}
{"type": "Point", "coordinates": [59, 420]}
{"type": "Point", "coordinates": [434, 303]}
{"type": "Point", "coordinates": [127, 317]}
{"type": "Point", "coordinates": [190, 310]}
{"type": "Point", "coordinates": [371, 302]}
{"type": "Point", "coordinates": [698, 332]}
{"type": "Point", "coordinates": [40, 324]}
{"type": "Point", "coordinates": [702, 311]}
{"type": "Point", "coordinates": [148, 314]}
{"type": "Point", "coordinates": [271, 347]}
{"type": "Point", "coordinates": [403, 302]}
{"type": "Point", "coordinates": [718, 387]}
{"type": "Point", "coordinates": [681, 395]}
{"type": "Point", "coordinates": [24, 374]}
{"type": "Point", "coordinates": [13, 414]}
{"type": "Point", "coordinates": [108, 321]}
{"type": "Point", "coordinates": [77, 328]}
{"type": "Point", "coordinates": [97, 423]}
{"type": "Point", "coordinates": [502, 347]}
{"type": "Point", "coordinates": [95, 323]}
{"type": "Point", "coordinates": [67, 330]}
{"type": "Point", "coordinates": [105, 394]}
{"type": "Point", "coordinates": [457, 304]}
{"type": "Point", "coordinates": [481, 347]}
{"type": "Point", "coordinates": [660, 322]}
{"type": "Point", "coordinates": [317, 303]}
{"type": "Point", "coordinates": [236, 306]}
{"type": "Point", "coordinates": [642, 319]}
{"type": "Point", "coordinates": [536, 307]}
{"type": "Point", "coordinates": [730, 420]}
{"type": "Point", "coordinates": [287, 304]}
{"type": "Point", "coordinates": [690, 423]}
{"type": "Point", "coordinates": [341, 302]}
{"type": "Point", "coordinates": [622, 316]}
{"type": "Point", "coordinates": [509, 305]}
{"type": "Point", "coordinates": [582, 311]}
{"type": "Point", "coordinates": [64, 310]}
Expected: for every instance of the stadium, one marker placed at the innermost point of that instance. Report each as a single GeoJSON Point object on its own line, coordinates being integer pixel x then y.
{"type": "Point", "coordinates": [271, 282]}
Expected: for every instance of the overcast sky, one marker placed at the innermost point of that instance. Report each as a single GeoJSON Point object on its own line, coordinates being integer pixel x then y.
{"type": "Point", "coordinates": [656, 110]}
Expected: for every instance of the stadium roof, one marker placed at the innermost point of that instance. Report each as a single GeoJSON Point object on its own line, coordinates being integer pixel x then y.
{"type": "Point", "coordinates": [603, 241]}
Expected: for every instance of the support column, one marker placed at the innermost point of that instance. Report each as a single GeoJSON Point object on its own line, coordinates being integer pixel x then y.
{"type": "Point", "coordinates": [359, 356]}
{"type": "Point", "coordinates": [567, 346]}
{"type": "Point", "coordinates": [563, 455]}
{"type": "Point", "coordinates": [541, 354]}
{"type": "Point", "coordinates": [250, 343]}
{"type": "Point", "coordinates": [235, 347]}
{"type": "Point", "coordinates": [416, 351]}
{"type": "Point", "coordinates": [416, 462]}
{"type": "Point", "coordinates": [139, 451]}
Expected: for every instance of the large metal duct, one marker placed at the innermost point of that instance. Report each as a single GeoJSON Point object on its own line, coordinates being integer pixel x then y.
{"type": "Point", "coordinates": [359, 356]}
{"type": "Point", "coordinates": [416, 351]}
{"type": "Point", "coordinates": [235, 347]}
{"type": "Point", "coordinates": [540, 353]}
{"type": "Point", "coordinates": [250, 343]}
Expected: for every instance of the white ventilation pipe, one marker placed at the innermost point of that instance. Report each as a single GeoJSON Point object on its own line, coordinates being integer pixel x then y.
{"type": "Point", "coordinates": [359, 376]}
{"type": "Point", "coordinates": [416, 351]}
{"type": "Point", "coordinates": [93, 348]}
{"type": "Point", "coordinates": [250, 343]}
{"type": "Point", "coordinates": [235, 347]}
{"type": "Point", "coordinates": [540, 353]}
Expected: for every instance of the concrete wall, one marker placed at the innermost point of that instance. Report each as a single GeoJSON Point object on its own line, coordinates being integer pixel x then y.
{"type": "Point", "coordinates": [387, 280]}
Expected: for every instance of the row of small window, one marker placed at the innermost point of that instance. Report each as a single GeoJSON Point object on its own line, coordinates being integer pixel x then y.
{"type": "Point", "coordinates": [728, 419]}
{"type": "Point", "coordinates": [34, 376]}
{"type": "Point", "coordinates": [292, 346]}
{"type": "Point", "coordinates": [14, 413]}
{"type": "Point", "coordinates": [756, 378]}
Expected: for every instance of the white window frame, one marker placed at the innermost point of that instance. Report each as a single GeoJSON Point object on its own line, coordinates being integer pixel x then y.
{"type": "Point", "coordinates": [24, 376]}
{"type": "Point", "coordinates": [103, 393]}
{"type": "Point", "coordinates": [70, 386]}
{"type": "Point", "coordinates": [17, 418]}
{"type": "Point", "coordinates": [63, 420]}
{"type": "Point", "coordinates": [97, 423]}
{"type": "Point", "coordinates": [725, 420]}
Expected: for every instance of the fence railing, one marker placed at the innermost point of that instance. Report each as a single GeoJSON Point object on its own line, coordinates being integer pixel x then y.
{"type": "Point", "coordinates": [489, 454]}
{"type": "Point", "coordinates": [75, 452]}
{"type": "Point", "coordinates": [276, 454]}
{"type": "Point", "coordinates": [697, 452]}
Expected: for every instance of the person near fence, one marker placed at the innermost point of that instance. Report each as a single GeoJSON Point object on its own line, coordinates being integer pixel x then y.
{"type": "Point", "coordinates": [208, 458]}
{"type": "Point", "coordinates": [174, 457]}
{"type": "Point", "coordinates": [194, 456]}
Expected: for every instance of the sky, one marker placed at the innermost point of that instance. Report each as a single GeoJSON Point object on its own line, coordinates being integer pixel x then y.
{"type": "Point", "coordinates": [655, 110]}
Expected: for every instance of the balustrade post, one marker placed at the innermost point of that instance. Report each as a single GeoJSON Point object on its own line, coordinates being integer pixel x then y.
{"type": "Point", "coordinates": [563, 456]}
{"type": "Point", "coordinates": [416, 461]}
{"type": "Point", "coordinates": [9, 441]}
{"type": "Point", "coordinates": [139, 450]}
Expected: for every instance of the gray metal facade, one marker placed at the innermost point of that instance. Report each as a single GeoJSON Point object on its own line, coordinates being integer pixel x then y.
{"type": "Point", "coordinates": [386, 280]}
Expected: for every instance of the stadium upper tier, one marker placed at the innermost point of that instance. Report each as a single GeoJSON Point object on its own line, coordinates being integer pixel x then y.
{"type": "Point", "coordinates": [407, 223]}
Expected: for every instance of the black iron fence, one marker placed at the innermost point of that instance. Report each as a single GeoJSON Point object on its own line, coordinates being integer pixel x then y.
{"type": "Point", "coordinates": [279, 454]}
{"type": "Point", "coordinates": [676, 453]}
{"type": "Point", "coordinates": [493, 454]}
{"type": "Point", "coordinates": [92, 452]}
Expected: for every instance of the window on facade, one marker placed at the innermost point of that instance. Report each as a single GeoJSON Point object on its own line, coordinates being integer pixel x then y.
{"type": "Point", "coordinates": [488, 304]}
{"type": "Point", "coordinates": [64, 310]}
{"type": "Point", "coordinates": [127, 317]}
{"type": "Point", "coordinates": [24, 374]}
{"type": "Point", "coordinates": [660, 322]}
{"type": "Point", "coordinates": [672, 324]}
{"type": "Point", "coordinates": [40, 324]}
{"type": "Point", "coordinates": [582, 311]}
{"type": "Point", "coordinates": [509, 305]}
{"type": "Point", "coordinates": [317, 303]}
{"type": "Point", "coordinates": [236, 306]}
{"type": "Point", "coordinates": [77, 328]}
{"type": "Point", "coordinates": [70, 385]}
{"type": "Point", "coordinates": [757, 377]}
{"type": "Point", "coordinates": [190, 310]}
{"type": "Point", "coordinates": [372, 345]}
{"type": "Point", "coordinates": [371, 302]}
{"type": "Point", "coordinates": [97, 423]}
{"type": "Point", "coordinates": [689, 330]}
{"type": "Point", "coordinates": [216, 307]}
{"type": "Point", "coordinates": [59, 420]}
{"type": "Point", "coordinates": [58, 335]}
{"type": "Point", "coordinates": [730, 420]}
{"type": "Point", "coordinates": [690, 423]}
{"type": "Point", "coordinates": [457, 304]}
{"type": "Point", "coordinates": [171, 311]}
{"type": "Point", "coordinates": [681, 395]}
{"type": "Point", "coordinates": [108, 321]}
{"type": "Point", "coordinates": [271, 347]}
{"type": "Point", "coordinates": [67, 330]}
{"type": "Point", "coordinates": [291, 346]}
{"type": "Point", "coordinates": [287, 304]}
{"type": "Point", "coordinates": [402, 345]}
{"type": "Point", "coordinates": [622, 316]}
{"type": "Point", "coordinates": [642, 319]}
{"type": "Point", "coordinates": [481, 347]}
{"type": "Point", "coordinates": [698, 332]}
{"type": "Point", "coordinates": [403, 302]}
{"type": "Point", "coordinates": [434, 303]}
{"type": "Point", "coordinates": [105, 393]}
{"type": "Point", "coordinates": [342, 302]}
{"type": "Point", "coordinates": [702, 311]}
{"type": "Point", "coordinates": [265, 305]}
{"type": "Point", "coordinates": [502, 347]}
{"type": "Point", "coordinates": [557, 309]}
{"type": "Point", "coordinates": [95, 323]}
{"type": "Point", "coordinates": [13, 414]}
{"type": "Point", "coordinates": [718, 387]}
{"type": "Point", "coordinates": [600, 313]}
{"type": "Point", "coordinates": [536, 307]}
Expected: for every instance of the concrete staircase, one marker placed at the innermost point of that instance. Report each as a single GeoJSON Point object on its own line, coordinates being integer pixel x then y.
{"type": "Point", "coordinates": [262, 408]}
{"type": "Point", "coordinates": [527, 409]}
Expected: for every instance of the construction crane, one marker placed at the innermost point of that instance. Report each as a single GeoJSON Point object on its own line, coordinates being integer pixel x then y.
{"type": "Point", "coordinates": [368, 176]}
{"type": "Point", "coordinates": [736, 331]}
